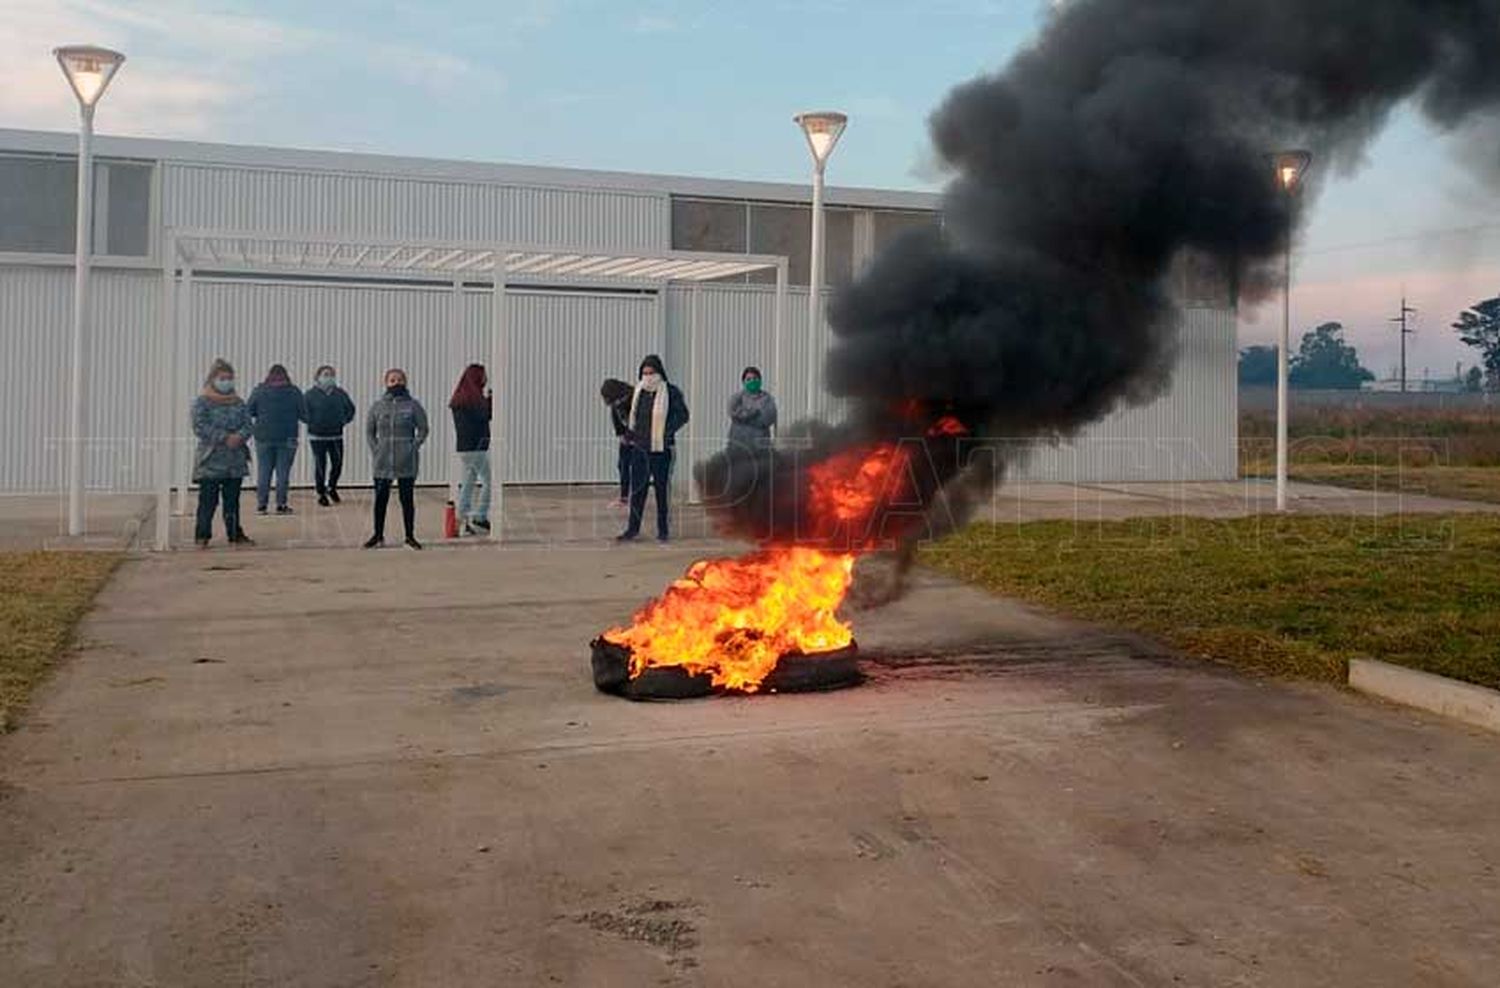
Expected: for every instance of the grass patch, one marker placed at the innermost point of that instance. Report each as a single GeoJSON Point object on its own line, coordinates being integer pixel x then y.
{"type": "Point", "coordinates": [1294, 596]}
{"type": "Point", "coordinates": [42, 597]}
{"type": "Point", "coordinates": [1464, 483]}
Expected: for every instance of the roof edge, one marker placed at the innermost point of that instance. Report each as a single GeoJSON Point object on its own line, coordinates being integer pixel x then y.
{"type": "Point", "coordinates": [440, 169]}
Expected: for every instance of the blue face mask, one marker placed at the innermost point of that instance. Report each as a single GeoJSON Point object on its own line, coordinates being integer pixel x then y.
{"type": "Point", "coordinates": [327, 381]}
{"type": "Point", "coordinates": [224, 385]}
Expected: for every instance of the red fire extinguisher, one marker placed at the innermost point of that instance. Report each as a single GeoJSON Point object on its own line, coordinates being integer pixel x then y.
{"type": "Point", "coordinates": [450, 522]}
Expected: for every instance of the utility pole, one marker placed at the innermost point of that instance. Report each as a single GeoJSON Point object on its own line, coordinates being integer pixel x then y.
{"type": "Point", "coordinates": [1406, 310]}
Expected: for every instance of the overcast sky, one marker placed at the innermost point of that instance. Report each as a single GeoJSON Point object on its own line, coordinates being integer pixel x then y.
{"type": "Point", "coordinates": [702, 89]}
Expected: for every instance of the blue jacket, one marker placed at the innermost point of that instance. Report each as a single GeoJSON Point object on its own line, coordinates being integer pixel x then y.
{"type": "Point", "coordinates": [277, 409]}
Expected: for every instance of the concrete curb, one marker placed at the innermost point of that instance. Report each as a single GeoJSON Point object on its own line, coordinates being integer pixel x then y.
{"type": "Point", "coordinates": [1466, 702]}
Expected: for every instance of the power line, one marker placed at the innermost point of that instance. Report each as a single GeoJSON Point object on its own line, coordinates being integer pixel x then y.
{"type": "Point", "coordinates": [1401, 238]}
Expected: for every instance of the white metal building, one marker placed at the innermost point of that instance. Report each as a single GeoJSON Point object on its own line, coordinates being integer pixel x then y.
{"type": "Point", "coordinates": [564, 332]}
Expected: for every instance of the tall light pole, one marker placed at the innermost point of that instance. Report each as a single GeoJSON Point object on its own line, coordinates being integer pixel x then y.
{"type": "Point", "coordinates": [822, 129]}
{"type": "Point", "coordinates": [1291, 167]}
{"type": "Point", "coordinates": [89, 70]}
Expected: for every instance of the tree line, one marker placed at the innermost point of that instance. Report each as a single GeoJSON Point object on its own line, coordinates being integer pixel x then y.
{"type": "Point", "coordinates": [1326, 360]}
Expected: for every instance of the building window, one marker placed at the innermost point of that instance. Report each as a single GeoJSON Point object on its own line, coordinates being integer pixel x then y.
{"type": "Point", "coordinates": [891, 224]}
{"type": "Point", "coordinates": [785, 229]}
{"type": "Point", "coordinates": [39, 196]}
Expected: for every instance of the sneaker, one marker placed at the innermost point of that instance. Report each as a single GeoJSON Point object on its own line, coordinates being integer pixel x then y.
{"type": "Point", "coordinates": [322, 500]}
{"type": "Point", "coordinates": [412, 543]}
{"type": "Point", "coordinates": [333, 496]}
{"type": "Point", "coordinates": [260, 509]}
{"type": "Point", "coordinates": [201, 543]}
{"type": "Point", "coordinates": [663, 538]}
{"type": "Point", "coordinates": [241, 539]}
{"type": "Point", "coordinates": [283, 509]}
{"type": "Point", "coordinates": [627, 536]}
{"type": "Point", "coordinates": [374, 542]}
{"type": "Point", "coordinates": [481, 523]}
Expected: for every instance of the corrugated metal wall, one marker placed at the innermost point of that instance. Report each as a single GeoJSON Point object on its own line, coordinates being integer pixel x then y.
{"type": "Point", "coordinates": [1186, 433]}
{"type": "Point", "coordinates": [36, 318]}
{"type": "Point", "coordinates": [562, 346]}
{"type": "Point", "coordinates": [386, 206]}
{"type": "Point", "coordinates": [1189, 432]}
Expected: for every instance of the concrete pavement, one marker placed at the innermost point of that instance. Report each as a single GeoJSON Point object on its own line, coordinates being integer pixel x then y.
{"type": "Point", "coordinates": [350, 768]}
{"type": "Point", "coordinates": [566, 514]}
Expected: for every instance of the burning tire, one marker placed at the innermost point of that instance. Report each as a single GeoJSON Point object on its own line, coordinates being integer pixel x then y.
{"type": "Point", "coordinates": [794, 673]}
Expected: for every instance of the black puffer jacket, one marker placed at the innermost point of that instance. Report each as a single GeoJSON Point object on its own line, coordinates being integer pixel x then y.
{"type": "Point", "coordinates": [328, 412]}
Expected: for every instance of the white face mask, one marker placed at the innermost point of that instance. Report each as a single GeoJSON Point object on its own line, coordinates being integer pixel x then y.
{"type": "Point", "coordinates": [224, 385]}
{"type": "Point", "coordinates": [650, 380]}
{"type": "Point", "coordinates": [327, 380]}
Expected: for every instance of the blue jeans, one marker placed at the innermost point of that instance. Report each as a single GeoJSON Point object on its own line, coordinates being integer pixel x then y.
{"type": "Point", "coordinates": [275, 456]}
{"type": "Point", "coordinates": [476, 467]}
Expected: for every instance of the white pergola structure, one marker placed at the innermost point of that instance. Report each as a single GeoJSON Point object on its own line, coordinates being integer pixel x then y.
{"type": "Point", "coordinates": [187, 252]}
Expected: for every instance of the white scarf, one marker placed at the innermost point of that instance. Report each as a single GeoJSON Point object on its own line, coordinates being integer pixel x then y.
{"type": "Point", "coordinates": [658, 412]}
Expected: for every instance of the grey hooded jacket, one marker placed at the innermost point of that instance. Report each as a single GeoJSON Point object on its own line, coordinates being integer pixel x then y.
{"type": "Point", "coordinates": [396, 428]}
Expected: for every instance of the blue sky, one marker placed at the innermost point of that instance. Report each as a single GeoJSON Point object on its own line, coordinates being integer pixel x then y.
{"type": "Point", "coordinates": [695, 88]}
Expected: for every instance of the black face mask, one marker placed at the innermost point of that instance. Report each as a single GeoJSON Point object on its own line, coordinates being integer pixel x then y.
{"type": "Point", "coordinates": [396, 390]}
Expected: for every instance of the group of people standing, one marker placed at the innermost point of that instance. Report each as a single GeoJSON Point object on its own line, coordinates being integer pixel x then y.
{"type": "Point", "coordinates": [646, 418]}
{"type": "Point", "coordinates": [226, 427]}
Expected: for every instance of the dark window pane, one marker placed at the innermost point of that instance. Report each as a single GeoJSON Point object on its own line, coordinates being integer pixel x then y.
{"type": "Point", "coordinates": [708, 225]}
{"type": "Point", "coordinates": [890, 224]}
{"type": "Point", "coordinates": [39, 196]}
{"type": "Point", "coordinates": [128, 230]}
{"type": "Point", "coordinates": [787, 230]}
{"type": "Point", "coordinates": [784, 231]}
{"type": "Point", "coordinates": [38, 199]}
{"type": "Point", "coordinates": [838, 249]}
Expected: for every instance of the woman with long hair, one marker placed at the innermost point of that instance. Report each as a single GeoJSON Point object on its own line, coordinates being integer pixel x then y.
{"type": "Point", "coordinates": [395, 428]}
{"type": "Point", "coordinates": [472, 407]}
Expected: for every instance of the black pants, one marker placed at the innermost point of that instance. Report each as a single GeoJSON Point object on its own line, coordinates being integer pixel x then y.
{"type": "Point", "coordinates": [210, 492]}
{"type": "Point", "coordinates": [406, 491]}
{"type": "Point", "coordinates": [654, 469]}
{"type": "Point", "coordinates": [622, 464]}
{"type": "Point", "coordinates": [328, 464]}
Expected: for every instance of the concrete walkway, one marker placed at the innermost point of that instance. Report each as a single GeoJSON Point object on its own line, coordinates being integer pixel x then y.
{"type": "Point", "coordinates": [344, 768]}
{"type": "Point", "coordinates": [557, 515]}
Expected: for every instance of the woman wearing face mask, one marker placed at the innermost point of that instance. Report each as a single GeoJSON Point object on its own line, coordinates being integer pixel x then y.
{"type": "Point", "coordinates": [276, 408]}
{"type": "Point", "coordinates": [395, 428]}
{"type": "Point", "coordinates": [657, 411]}
{"type": "Point", "coordinates": [221, 423]}
{"type": "Point", "coordinates": [752, 412]}
{"type": "Point", "coordinates": [329, 409]}
{"type": "Point", "coordinates": [471, 407]}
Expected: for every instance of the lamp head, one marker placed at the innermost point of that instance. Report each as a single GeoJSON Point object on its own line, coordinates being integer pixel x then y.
{"type": "Point", "coordinates": [1291, 169]}
{"type": "Point", "coordinates": [89, 70]}
{"type": "Point", "coordinates": [822, 129]}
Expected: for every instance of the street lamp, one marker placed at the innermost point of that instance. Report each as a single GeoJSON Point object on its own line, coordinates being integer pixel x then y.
{"type": "Point", "coordinates": [89, 71]}
{"type": "Point", "coordinates": [822, 130]}
{"type": "Point", "coordinates": [1291, 169]}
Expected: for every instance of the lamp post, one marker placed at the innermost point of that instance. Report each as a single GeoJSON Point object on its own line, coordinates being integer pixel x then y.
{"type": "Point", "coordinates": [89, 71]}
{"type": "Point", "coordinates": [822, 129]}
{"type": "Point", "coordinates": [1291, 167]}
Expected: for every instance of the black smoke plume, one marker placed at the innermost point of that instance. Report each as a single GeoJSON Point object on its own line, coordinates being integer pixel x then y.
{"type": "Point", "coordinates": [1130, 133]}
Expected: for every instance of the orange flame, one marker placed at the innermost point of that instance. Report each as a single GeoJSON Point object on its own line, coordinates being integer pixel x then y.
{"type": "Point", "coordinates": [735, 618]}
